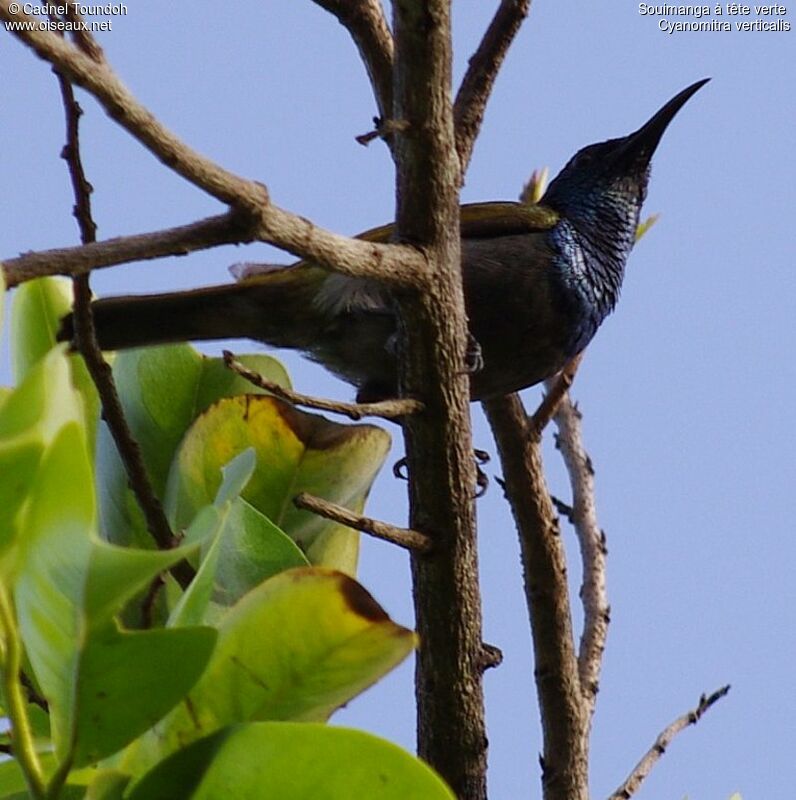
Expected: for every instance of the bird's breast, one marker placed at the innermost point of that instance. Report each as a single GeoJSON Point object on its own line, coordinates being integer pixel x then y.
{"type": "Point", "coordinates": [527, 319]}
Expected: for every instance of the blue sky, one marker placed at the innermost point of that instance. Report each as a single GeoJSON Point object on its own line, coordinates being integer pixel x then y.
{"type": "Point", "coordinates": [687, 391]}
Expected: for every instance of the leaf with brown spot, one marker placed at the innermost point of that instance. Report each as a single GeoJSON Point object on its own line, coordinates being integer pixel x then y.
{"type": "Point", "coordinates": [296, 452]}
{"type": "Point", "coordinates": [297, 647]}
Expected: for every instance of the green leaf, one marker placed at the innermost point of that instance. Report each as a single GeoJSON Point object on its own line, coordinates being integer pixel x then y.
{"type": "Point", "coordinates": [30, 418]}
{"type": "Point", "coordinates": [295, 452]}
{"type": "Point", "coordinates": [297, 647]}
{"type": "Point", "coordinates": [245, 549]}
{"type": "Point", "coordinates": [35, 314]}
{"type": "Point", "coordinates": [644, 226]}
{"type": "Point", "coordinates": [108, 784]}
{"type": "Point", "coordinates": [129, 679]}
{"type": "Point", "coordinates": [242, 548]}
{"type": "Point", "coordinates": [251, 549]}
{"type": "Point", "coordinates": [68, 587]}
{"type": "Point", "coordinates": [35, 317]}
{"type": "Point", "coordinates": [291, 761]}
{"type": "Point", "coordinates": [12, 781]}
{"type": "Point", "coordinates": [236, 474]}
{"type": "Point", "coordinates": [163, 389]}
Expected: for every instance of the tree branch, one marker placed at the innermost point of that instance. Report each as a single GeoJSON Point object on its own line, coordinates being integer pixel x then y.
{"type": "Point", "coordinates": [653, 755]}
{"type": "Point", "coordinates": [564, 719]}
{"type": "Point", "coordinates": [386, 409]}
{"type": "Point", "coordinates": [86, 339]}
{"type": "Point", "coordinates": [400, 265]}
{"type": "Point", "coordinates": [449, 671]}
{"type": "Point", "coordinates": [557, 388]}
{"type": "Point", "coordinates": [365, 21]}
{"type": "Point", "coordinates": [484, 65]}
{"type": "Point", "coordinates": [583, 516]}
{"type": "Point", "coordinates": [230, 228]}
{"type": "Point", "coordinates": [403, 537]}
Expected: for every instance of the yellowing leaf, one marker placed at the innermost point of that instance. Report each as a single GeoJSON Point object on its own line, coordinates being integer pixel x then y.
{"type": "Point", "coordinates": [297, 647]}
{"type": "Point", "coordinates": [296, 452]}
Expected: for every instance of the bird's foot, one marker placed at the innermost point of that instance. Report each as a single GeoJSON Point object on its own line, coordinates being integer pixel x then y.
{"type": "Point", "coordinates": [481, 479]}
{"type": "Point", "coordinates": [473, 356]}
{"type": "Point", "coordinates": [400, 470]}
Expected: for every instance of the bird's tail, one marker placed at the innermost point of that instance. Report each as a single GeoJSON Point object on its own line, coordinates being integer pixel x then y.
{"type": "Point", "coordinates": [276, 306]}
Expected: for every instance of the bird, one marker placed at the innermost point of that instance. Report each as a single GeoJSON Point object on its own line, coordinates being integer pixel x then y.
{"type": "Point", "coordinates": [538, 280]}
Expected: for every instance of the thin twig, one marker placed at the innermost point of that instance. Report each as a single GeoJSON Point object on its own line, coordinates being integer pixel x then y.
{"type": "Point", "coordinates": [150, 597]}
{"type": "Point", "coordinates": [652, 756]}
{"type": "Point", "coordinates": [383, 129]}
{"type": "Point", "coordinates": [365, 21]}
{"type": "Point", "coordinates": [591, 540]}
{"type": "Point", "coordinates": [557, 388]}
{"type": "Point", "coordinates": [476, 86]}
{"type": "Point", "coordinates": [85, 336]}
{"type": "Point", "coordinates": [113, 413]}
{"type": "Point", "coordinates": [491, 656]}
{"type": "Point", "coordinates": [386, 409]}
{"type": "Point", "coordinates": [403, 537]}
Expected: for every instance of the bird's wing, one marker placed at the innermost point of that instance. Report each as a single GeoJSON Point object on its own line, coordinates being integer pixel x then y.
{"type": "Point", "coordinates": [487, 220]}
{"type": "Point", "coordinates": [503, 218]}
{"type": "Point", "coordinates": [334, 293]}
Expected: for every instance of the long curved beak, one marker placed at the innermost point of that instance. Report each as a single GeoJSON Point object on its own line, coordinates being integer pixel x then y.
{"type": "Point", "coordinates": [638, 147]}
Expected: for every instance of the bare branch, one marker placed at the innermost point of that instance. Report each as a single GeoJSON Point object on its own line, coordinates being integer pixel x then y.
{"type": "Point", "coordinates": [403, 537]}
{"type": "Point", "coordinates": [483, 68]}
{"type": "Point", "coordinates": [583, 516]}
{"type": "Point", "coordinates": [557, 389]}
{"type": "Point", "coordinates": [393, 263]}
{"type": "Point", "coordinates": [98, 368]}
{"type": "Point", "coordinates": [384, 130]}
{"type": "Point", "coordinates": [491, 657]}
{"type": "Point", "coordinates": [223, 229]}
{"type": "Point", "coordinates": [653, 755]}
{"type": "Point", "coordinates": [386, 409]}
{"type": "Point", "coordinates": [365, 21]}
{"type": "Point", "coordinates": [113, 413]}
{"type": "Point", "coordinates": [565, 722]}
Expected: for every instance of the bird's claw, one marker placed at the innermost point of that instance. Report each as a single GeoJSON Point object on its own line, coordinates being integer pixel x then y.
{"type": "Point", "coordinates": [473, 356]}
{"type": "Point", "coordinates": [400, 470]}
{"type": "Point", "coordinates": [481, 479]}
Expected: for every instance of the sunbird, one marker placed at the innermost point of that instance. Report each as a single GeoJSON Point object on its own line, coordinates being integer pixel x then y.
{"type": "Point", "coordinates": [538, 280]}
